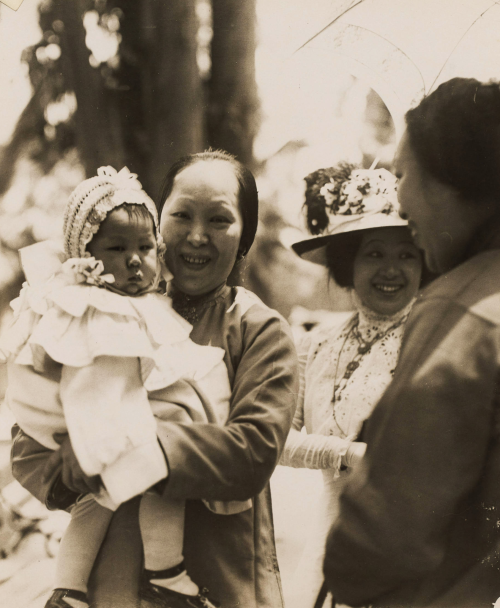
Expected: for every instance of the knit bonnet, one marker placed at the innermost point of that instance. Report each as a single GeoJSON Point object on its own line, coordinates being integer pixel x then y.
{"type": "Point", "coordinates": [93, 199]}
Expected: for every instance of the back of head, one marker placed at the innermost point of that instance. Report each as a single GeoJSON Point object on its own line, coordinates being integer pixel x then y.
{"type": "Point", "coordinates": [455, 134]}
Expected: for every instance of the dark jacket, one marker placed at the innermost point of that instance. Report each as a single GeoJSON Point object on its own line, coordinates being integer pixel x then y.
{"type": "Point", "coordinates": [420, 523]}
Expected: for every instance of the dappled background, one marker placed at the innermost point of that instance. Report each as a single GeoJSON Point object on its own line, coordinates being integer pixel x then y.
{"type": "Point", "coordinates": [138, 83]}
{"type": "Point", "coordinates": [141, 82]}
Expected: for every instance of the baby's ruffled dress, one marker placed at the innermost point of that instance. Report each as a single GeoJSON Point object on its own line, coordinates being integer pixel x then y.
{"type": "Point", "coordinates": [106, 367]}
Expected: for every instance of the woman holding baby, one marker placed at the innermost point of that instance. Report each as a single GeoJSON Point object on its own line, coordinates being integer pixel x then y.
{"type": "Point", "coordinates": [208, 220]}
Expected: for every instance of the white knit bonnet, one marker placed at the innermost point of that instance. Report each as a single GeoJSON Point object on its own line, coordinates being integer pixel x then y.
{"type": "Point", "coordinates": [93, 199]}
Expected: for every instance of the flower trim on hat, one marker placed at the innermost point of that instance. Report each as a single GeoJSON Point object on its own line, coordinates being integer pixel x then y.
{"type": "Point", "coordinates": [121, 180]}
{"type": "Point", "coordinates": [366, 191]}
{"type": "Point", "coordinates": [316, 197]}
{"type": "Point", "coordinates": [345, 192]}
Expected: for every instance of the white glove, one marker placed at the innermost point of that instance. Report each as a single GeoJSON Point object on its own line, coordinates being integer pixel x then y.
{"type": "Point", "coordinates": [354, 454]}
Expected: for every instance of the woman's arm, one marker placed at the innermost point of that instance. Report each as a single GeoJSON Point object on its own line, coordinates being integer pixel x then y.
{"type": "Point", "coordinates": [310, 451]}
{"type": "Point", "coordinates": [112, 430]}
{"type": "Point", "coordinates": [54, 478]}
{"type": "Point", "coordinates": [315, 451]}
{"type": "Point", "coordinates": [235, 462]}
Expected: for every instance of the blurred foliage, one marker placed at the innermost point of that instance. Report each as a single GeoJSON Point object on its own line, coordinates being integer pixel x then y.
{"type": "Point", "coordinates": [31, 211]}
{"type": "Point", "coordinates": [139, 83]}
{"type": "Point", "coordinates": [120, 82]}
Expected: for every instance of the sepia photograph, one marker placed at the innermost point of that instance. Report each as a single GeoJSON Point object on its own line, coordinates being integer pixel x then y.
{"type": "Point", "coordinates": [249, 304]}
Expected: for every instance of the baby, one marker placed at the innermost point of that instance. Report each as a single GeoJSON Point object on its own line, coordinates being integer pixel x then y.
{"type": "Point", "coordinates": [95, 351]}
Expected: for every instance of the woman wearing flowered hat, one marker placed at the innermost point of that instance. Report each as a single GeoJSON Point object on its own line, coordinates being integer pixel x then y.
{"type": "Point", "coordinates": [369, 250]}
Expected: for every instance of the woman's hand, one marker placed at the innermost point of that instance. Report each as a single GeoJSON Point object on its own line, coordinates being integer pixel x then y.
{"type": "Point", "coordinates": [354, 454]}
{"type": "Point", "coordinates": [71, 473]}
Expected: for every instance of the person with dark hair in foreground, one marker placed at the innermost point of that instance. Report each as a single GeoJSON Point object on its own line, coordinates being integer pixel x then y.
{"type": "Point", "coordinates": [419, 523]}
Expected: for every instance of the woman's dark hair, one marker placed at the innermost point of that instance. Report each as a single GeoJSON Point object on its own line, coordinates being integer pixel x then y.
{"type": "Point", "coordinates": [341, 253]}
{"type": "Point", "coordinates": [455, 135]}
{"type": "Point", "coordinates": [315, 205]}
{"type": "Point", "coordinates": [248, 197]}
{"type": "Point", "coordinates": [341, 266]}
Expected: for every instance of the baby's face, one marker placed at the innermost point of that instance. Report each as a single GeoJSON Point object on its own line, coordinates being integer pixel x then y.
{"type": "Point", "coordinates": [126, 245]}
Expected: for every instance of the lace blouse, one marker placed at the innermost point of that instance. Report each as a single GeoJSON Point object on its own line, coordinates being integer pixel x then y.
{"type": "Point", "coordinates": [324, 357]}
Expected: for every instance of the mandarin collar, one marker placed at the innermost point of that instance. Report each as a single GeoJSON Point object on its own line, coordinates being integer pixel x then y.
{"type": "Point", "coordinates": [371, 323]}
{"type": "Point", "coordinates": [189, 307]}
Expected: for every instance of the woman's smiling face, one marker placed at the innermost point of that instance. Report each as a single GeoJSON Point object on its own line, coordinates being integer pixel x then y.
{"type": "Point", "coordinates": [387, 270]}
{"type": "Point", "coordinates": [201, 224]}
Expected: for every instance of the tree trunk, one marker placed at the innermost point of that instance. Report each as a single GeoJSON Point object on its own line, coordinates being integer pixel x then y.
{"type": "Point", "coordinates": [27, 128]}
{"type": "Point", "coordinates": [98, 130]}
{"type": "Point", "coordinates": [155, 114]}
{"type": "Point", "coordinates": [233, 104]}
{"type": "Point", "coordinates": [172, 88]}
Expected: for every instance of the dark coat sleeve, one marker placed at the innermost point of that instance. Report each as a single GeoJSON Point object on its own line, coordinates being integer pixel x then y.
{"type": "Point", "coordinates": [235, 462]}
{"type": "Point", "coordinates": [28, 458]}
{"type": "Point", "coordinates": [427, 440]}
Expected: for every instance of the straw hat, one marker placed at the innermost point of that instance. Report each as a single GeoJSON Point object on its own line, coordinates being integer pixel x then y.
{"type": "Point", "coordinates": [366, 199]}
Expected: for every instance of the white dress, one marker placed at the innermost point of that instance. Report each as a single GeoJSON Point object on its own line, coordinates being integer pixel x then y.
{"type": "Point", "coordinates": [107, 368]}
{"type": "Point", "coordinates": [323, 357]}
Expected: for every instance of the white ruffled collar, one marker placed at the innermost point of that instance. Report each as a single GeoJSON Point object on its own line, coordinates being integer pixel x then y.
{"type": "Point", "coordinates": [372, 323]}
{"type": "Point", "coordinates": [45, 264]}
